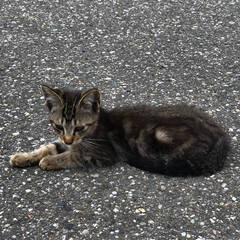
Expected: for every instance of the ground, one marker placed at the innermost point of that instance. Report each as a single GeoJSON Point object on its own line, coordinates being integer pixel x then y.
{"type": "Point", "coordinates": [154, 52]}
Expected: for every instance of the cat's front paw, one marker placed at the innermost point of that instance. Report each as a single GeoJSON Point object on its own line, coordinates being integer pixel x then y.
{"type": "Point", "coordinates": [20, 160]}
{"type": "Point", "coordinates": [48, 163]}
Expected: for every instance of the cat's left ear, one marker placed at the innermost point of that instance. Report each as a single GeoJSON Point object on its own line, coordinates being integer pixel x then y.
{"type": "Point", "coordinates": [53, 97]}
{"type": "Point", "coordinates": [90, 101]}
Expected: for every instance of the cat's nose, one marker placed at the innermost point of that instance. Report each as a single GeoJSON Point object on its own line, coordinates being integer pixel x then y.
{"type": "Point", "coordinates": [68, 139]}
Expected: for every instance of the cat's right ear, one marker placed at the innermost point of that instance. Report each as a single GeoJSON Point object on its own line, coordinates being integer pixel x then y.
{"type": "Point", "coordinates": [53, 97]}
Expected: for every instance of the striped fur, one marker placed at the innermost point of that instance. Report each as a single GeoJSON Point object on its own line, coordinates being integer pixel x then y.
{"type": "Point", "coordinates": [173, 140]}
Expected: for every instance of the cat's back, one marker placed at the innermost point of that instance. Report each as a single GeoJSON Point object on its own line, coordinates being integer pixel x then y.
{"type": "Point", "coordinates": [156, 113]}
{"type": "Point", "coordinates": [172, 118]}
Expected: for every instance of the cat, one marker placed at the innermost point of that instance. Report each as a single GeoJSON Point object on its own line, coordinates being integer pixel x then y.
{"type": "Point", "coordinates": [177, 140]}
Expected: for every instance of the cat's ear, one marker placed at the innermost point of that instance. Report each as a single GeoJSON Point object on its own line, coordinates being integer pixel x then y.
{"type": "Point", "coordinates": [53, 97]}
{"type": "Point", "coordinates": [90, 101]}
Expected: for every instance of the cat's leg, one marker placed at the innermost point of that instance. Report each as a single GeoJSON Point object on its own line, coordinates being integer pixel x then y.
{"type": "Point", "coordinates": [33, 158]}
{"type": "Point", "coordinates": [76, 158]}
{"type": "Point", "coordinates": [60, 161]}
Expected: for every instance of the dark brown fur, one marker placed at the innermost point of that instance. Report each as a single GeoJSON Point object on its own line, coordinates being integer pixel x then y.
{"type": "Point", "coordinates": [173, 140]}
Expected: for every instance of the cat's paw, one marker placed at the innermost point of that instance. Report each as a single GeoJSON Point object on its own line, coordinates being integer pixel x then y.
{"type": "Point", "coordinates": [20, 160]}
{"type": "Point", "coordinates": [48, 163]}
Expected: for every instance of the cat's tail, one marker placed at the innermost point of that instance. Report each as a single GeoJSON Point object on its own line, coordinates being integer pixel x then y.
{"type": "Point", "coordinates": [198, 159]}
{"type": "Point", "coordinates": [201, 162]}
{"type": "Point", "coordinates": [208, 163]}
{"type": "Point", "coordinates": [218, 154]}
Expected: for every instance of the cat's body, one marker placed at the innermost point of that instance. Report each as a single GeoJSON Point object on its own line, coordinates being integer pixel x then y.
{"type": "Point", "coordinates": [173, 140]}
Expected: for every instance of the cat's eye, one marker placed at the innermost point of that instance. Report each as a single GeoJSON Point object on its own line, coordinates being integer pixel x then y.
{"type": "Point", "coordinates": [79, 129]}
{"type": "Point", "coordinates": [59, 127]}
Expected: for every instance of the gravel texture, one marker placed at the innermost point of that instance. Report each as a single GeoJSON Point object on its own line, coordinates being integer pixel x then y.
{"type": "Point", "coordinates": [154, 52]}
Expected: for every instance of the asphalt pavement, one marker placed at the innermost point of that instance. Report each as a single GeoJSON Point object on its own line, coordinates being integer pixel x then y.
{"type": "Point", "coordinates": [153, 52]}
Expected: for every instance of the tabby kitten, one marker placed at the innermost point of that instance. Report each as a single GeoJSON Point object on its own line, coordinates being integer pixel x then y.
{"type": "Point", "coordinates": [173, 140]}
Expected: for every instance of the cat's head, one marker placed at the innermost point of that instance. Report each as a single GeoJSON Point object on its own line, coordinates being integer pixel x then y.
{"type": "Point", "coordinates": [73, 114]}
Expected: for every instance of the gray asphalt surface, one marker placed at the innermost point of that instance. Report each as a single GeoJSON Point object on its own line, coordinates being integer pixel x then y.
{"type": "Point", "coordinates": [153, 52]}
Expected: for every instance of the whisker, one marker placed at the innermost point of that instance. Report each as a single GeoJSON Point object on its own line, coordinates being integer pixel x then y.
{"type": "Point", "coordinates": [97, 139]}
{"type": "Point", "coordinates": [92, 143]}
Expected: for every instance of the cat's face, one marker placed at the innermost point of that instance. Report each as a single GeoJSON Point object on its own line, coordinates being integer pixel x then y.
{"type": "Point", "coordinates": [73, 114]}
